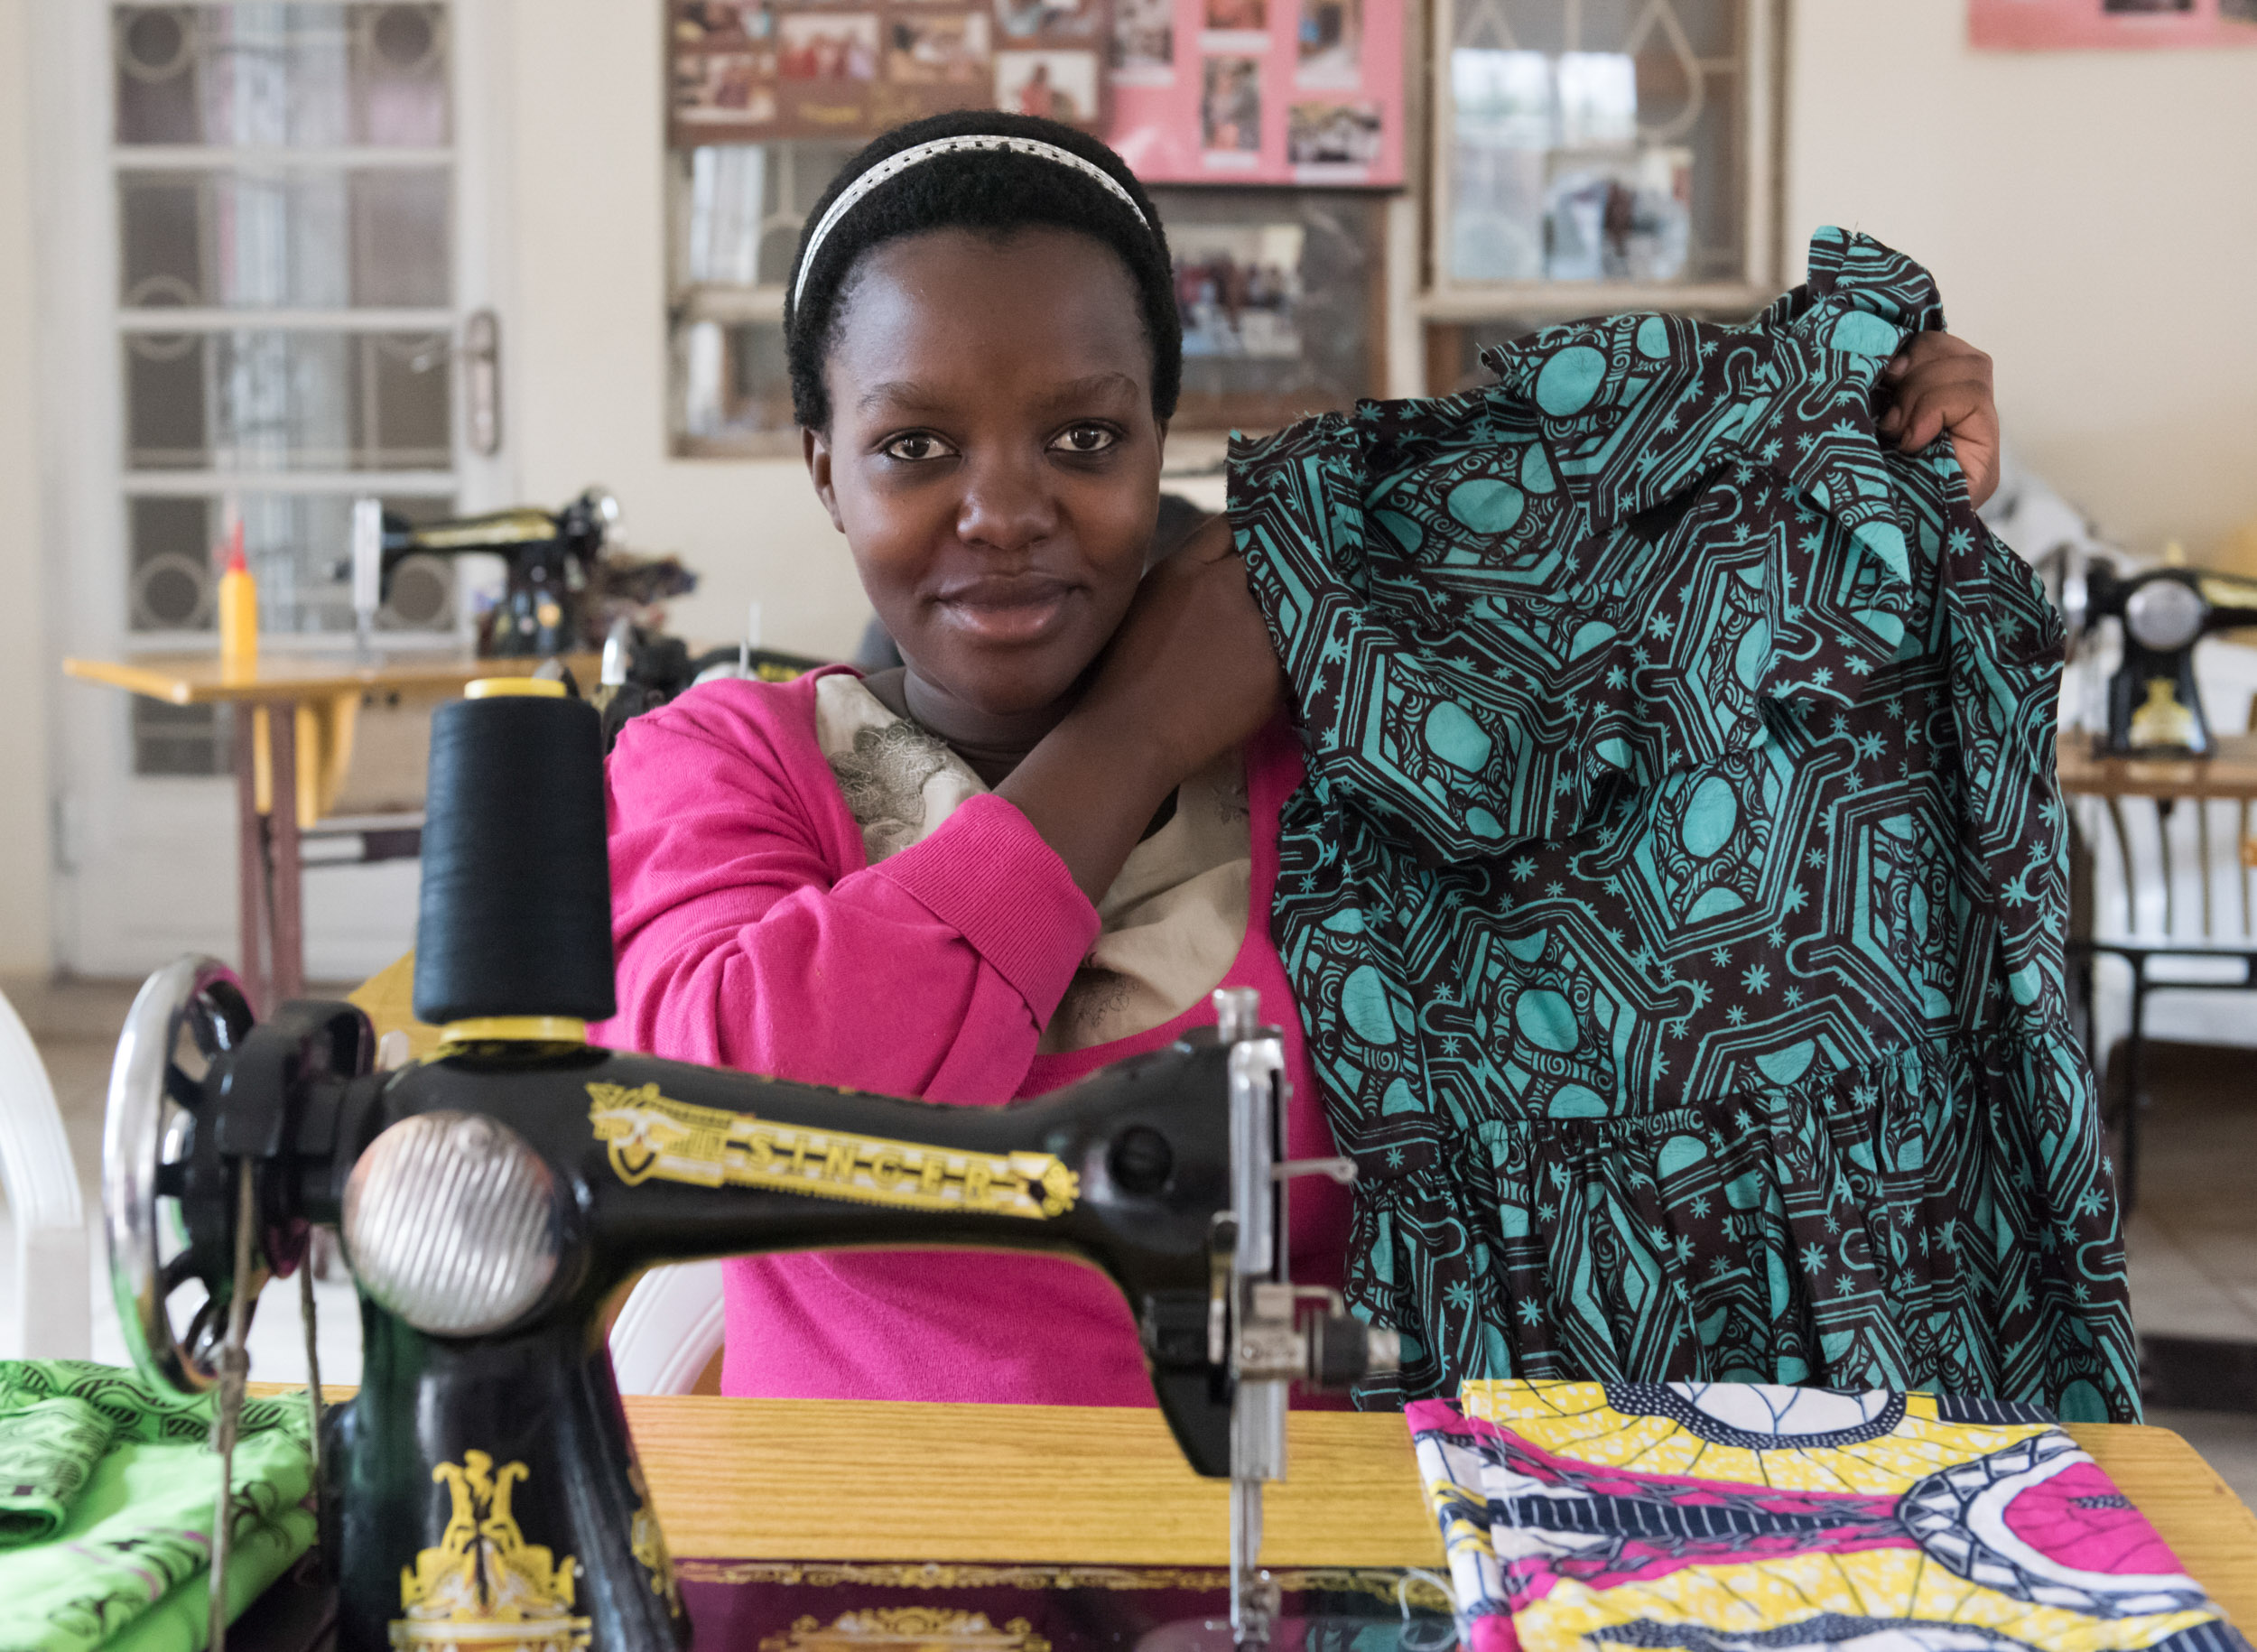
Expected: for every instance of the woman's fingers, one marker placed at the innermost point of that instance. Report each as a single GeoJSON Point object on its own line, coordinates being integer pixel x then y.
{"type": "Point", "coordinates": [1940, 385]}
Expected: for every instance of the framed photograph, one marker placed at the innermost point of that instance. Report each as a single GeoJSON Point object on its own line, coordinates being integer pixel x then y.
{"type": "Point", "coordinates": [1049, 23]}
{"type": "Point", "coordinates": [1144, 43]}
{"type": "Point", "coordinates": [732, 89]}
{"type": "Point", "coordinates": [722, 25]}
{"type": "Point", "coordinates": [1270, 91]}
{"type": "Point", "coordinates": [1230, 111]}
{"type": "Point", "coordinates": [1238, 287]}
{"type": "Point", "coordinates": [1342, 135]}
{"type": "Point", "coordinates": [1054, 84]}
{"type": "Point", "coordinates": [1279, 295]}
{"type": "Point", "coordinates": [947, 48]}
{"type": "Point", "coordinates": [1328, 45]}
{"type": "Point", "coordinates": [2039, 24]}
{"type": "Point", "coordinates": [749, 72]}
{"type": "Point", "coordinates": [828, 46]}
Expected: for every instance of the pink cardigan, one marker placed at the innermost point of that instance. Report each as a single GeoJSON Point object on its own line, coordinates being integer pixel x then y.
{"type": "Point", "coordinates": [752, 933]}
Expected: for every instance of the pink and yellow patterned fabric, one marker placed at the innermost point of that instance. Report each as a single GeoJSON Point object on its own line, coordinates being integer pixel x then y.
{"type": "Point", "coordinates": [1580, 1516]}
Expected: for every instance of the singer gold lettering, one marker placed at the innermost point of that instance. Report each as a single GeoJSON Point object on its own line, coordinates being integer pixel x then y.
{"type": "Point", "coordinates": [650, 1136]}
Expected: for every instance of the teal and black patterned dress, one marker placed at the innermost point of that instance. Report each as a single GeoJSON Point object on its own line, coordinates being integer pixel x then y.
{"type": "Point", "coordinates": [1675, 900]}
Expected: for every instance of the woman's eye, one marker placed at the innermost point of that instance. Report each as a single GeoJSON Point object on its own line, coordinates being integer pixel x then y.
{"type": "Point", "coordinates": [1086, 438]}
{"type": "Point", "coordinates": [916, 447]}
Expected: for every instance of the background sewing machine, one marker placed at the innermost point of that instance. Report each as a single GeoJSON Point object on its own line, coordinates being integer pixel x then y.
{"type": "Point", "coordinates": [2153, 704]}
{"type": "Point", "coordinates": [492, 1201]}
{"type": "Point", "coordinates": [567, 580]}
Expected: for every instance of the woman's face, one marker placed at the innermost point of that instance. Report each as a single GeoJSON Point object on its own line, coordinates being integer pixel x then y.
{"type": "Point", "coordinates": [992, 457]}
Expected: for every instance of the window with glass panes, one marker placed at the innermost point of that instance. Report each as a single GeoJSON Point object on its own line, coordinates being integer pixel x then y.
{"type": "Point", "coordinates": [284, 177]}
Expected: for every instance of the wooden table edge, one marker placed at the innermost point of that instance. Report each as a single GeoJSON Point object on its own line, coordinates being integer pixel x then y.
{"type": "Point", "coordinates": [760, 1480]}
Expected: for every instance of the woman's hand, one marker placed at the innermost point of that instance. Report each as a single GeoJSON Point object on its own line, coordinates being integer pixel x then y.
{"type": "Point", "coordinates": [1939, 384]}
{"type": "Point", "coordinates": [1189, 674]}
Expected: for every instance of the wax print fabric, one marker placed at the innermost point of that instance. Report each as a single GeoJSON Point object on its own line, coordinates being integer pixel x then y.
{"type": "Point", "coordinates": [1676, 899]}
{"type": "Point", "coordinates": [1739, 1517]}
{"type": "Point", "coordinates": [116, 1490]}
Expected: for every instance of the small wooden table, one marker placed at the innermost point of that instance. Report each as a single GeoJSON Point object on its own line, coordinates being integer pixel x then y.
{"type": "Point", "coordinates": [305, 702]}
{"type": "Point", "coordinates": [2229, 773]}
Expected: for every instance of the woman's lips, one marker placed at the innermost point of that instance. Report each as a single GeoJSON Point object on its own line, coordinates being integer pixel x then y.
{"type": "Point", "coordinates": [1022, 609]}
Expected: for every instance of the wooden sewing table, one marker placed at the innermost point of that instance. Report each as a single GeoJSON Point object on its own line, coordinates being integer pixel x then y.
{"type": "Point", "coordinates": [2229, 773]}
{"type": "Point", "coordinates": [736, 1480]}
{"type": "Point", "coordinates": [288, 772]}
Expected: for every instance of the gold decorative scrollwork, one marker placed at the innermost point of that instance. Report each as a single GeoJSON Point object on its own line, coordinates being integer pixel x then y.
{"type": "Point", "coordinates": [482, 1585]}
{"type": "Point", "coordinates": [906, 1628]}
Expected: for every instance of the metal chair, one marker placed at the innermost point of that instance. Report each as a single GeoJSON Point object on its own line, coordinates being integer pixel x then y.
{"type": "Point", "coordinates": [669, 1331]}
{"type": "Point", "coordinates": [2161, 883]}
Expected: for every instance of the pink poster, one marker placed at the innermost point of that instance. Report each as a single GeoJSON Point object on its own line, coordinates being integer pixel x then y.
{"type": "Point", "coordinates": [1260, 91]}
{"type": "Point", "coordinates": [2027, 24]}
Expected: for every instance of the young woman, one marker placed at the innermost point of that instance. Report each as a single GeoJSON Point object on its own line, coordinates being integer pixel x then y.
{"type": "Point", "coordinates": [1040, 844]}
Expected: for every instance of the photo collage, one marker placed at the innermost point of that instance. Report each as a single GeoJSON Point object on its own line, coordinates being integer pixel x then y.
{"type": "Point", "coordinates": [747, 71]}
{"type": "Point", "coordinates": [1211, 91]}
{"type": "Point", "coordinates": [1260, 91]}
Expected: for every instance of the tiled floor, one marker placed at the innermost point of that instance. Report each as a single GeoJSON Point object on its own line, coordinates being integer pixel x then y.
{"type": "Point", "coordinates": [2193, 1244]}
{"type": "Point", "coordinates": [2193, 1241]}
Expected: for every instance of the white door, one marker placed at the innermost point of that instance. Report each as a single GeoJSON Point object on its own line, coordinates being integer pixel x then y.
{"type": "Point", "coordinates": [267, 223]}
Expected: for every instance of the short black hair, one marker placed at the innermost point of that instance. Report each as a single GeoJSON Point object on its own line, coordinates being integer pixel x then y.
{"type": "Point", "coordinates": [991, 193]}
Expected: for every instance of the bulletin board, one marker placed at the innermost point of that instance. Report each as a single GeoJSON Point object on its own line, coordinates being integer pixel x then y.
{"type": "Point", "coordinates": [1260, 91]}
{"type": "Point", "coordinates": [2037, 24]}
{"type": "Point", "coordinates": [749, 72]}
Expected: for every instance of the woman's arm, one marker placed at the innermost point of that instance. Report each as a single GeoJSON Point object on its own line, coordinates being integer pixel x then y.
{"type": "Point", "coordinates": [749, 934]}
{"type": "Point", "coordinates": [1189, 675]}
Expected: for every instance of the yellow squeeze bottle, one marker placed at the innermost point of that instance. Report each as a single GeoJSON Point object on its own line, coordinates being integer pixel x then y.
{"type": "Point", "coordinates": [238, 613]}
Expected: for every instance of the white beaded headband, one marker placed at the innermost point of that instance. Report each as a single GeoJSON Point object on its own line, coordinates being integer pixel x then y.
{"type": "Point", "coordinates": [894, 166]}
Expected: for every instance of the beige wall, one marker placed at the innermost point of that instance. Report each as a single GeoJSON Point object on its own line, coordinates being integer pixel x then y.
{"type": "Point", "coordinates": [589, 379]}
{"type": "Point", "coordinates": [24, 920]}
{"type": "Point", "coordinates": [2092, 220]}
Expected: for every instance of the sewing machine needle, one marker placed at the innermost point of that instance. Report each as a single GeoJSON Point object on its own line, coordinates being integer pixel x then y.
{"type": "Point", "coordinates": [1250, 1596]}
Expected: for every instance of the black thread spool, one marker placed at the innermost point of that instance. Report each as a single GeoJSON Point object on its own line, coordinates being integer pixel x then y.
{"type": "Point", "coordinates": [516, 913]}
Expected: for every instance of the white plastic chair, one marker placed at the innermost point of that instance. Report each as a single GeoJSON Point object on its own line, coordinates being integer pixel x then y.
{"type": "Point", "coordinates": [53, 1317]}
{"type": "Point", "coordinates": [669, 1331]}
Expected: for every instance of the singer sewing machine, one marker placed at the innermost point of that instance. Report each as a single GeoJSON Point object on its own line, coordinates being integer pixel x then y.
{"type": "Point", "coordinates": [551, 556]}
{"type": "Point", "coordinates": [2154, 704]}
{"type": "Point", "coordinates": [482, 1487]}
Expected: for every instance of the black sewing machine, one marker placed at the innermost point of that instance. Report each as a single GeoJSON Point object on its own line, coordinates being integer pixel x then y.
{"type": "Point", "coordinates": [552, 555]}
{"type": "Point", "coordinates": [2154, 705]}
{"type": "Point", "coordinates": [482, 1487]}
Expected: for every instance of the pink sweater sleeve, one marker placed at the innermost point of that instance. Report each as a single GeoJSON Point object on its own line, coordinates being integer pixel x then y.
{"type": "Point", "coordinates": [750, 932]}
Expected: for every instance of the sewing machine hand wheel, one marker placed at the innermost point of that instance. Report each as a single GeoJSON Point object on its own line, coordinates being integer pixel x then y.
{"type": "Point", "coordinates": [186, 1015]}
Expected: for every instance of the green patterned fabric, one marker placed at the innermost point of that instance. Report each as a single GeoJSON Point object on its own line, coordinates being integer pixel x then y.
{"type": "Point", "coordinates": [1675, 899]}
{"type": "Point", "coordinates": [129, 1483]}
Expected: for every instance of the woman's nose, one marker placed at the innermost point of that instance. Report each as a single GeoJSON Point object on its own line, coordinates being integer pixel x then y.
{"type": "Point", "coordinates": [1007, 504]}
